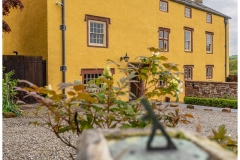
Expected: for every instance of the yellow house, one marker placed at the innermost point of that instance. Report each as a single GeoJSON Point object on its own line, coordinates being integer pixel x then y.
{"type": "Point", "coordinates": [76, 37]}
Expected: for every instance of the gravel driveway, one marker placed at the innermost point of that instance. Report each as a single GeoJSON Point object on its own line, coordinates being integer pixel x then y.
{"type": "Point", "coordinates": [23, 141]}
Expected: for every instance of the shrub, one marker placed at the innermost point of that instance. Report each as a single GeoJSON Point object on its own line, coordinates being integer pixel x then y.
{"type": "Point", "coordinates": [8, 94]}
{"type": "Point", "coordinates": [102, 107]}
{"type": "Point", "coordinates": [215, 102]}
{"type": "Point", "coordinates": [225, 141]}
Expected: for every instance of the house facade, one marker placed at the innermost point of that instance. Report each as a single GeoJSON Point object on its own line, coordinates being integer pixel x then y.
{"type": "Point", "coordinates": [192, 35]}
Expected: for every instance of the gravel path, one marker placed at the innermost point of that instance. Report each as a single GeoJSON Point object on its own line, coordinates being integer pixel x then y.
{"type": "Point", "coordinates": [24, 141]}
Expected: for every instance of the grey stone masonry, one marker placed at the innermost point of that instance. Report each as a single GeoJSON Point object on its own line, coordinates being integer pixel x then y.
{"type": "Point", "coordinates": [211, 89]}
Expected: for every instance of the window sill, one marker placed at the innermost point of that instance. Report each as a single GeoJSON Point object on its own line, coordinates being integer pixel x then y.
{"type": "Point", "coordinates": [209, 53]}
{"type": "Point", "coordinates": [163, 11]}
{"type": "Point", "coordinates": [189, 51]}
{"type": "Point", "coordinates": [97, 46]}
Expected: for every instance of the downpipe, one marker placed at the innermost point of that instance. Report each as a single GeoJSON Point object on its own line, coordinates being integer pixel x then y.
{"type": "Point", "coordinates": [225, 25]}
{"type": "Point", "coordinates": [63, 68]}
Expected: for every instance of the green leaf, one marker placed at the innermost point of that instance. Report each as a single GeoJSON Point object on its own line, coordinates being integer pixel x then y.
{"type": "Point", "coordinates": [56, 119]}
{"type": "Point", "coordinates": [144, 70]}
{"type": "Point", "coordinates": [163, 58]}
{"type": "Point", "coordinates": [114, 109]}
{"type": "Point", "coordinates": [154, 69]}
{"type": "Point", "coordinates": [65, 129]}
{"type": "Point", "coordinates": [130, 110]}
{"type": "Point", "coordinates": [125, 126]}
{"type": "Point", "coordinates": [143, 76]}
{"type": "Point", "coordinates": [221, 131]}
{"type": "Point", "coordinates": [89, 118]}
{"type": "Point", "coordinates": [174, 68]}
{"type": "Point", "coordinates": [215, 133]}
{"type": "Point", "coordinates": [166, 65]}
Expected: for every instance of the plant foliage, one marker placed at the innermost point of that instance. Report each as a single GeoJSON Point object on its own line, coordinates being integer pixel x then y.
{"type": "Point", "coordinates": [225, 141]}
{"type": "Point", "coordinates": [151, 70]}
{"type": "Point", "coordinates": [99, 103]}
{"type": "Point", "coordinates": [214, 102]}
{"type": "Point", "coordinates": [233, 66]}
{"type": "Point", "coordinates": [6, 6]}
{"type": "Point", "coordinates": [8, 94]}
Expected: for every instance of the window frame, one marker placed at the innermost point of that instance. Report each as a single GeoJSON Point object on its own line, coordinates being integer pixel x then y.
{"type": "Point", "coordinates": [209, 14]}
{"type": "Point", "coordinates": [211, 34]}
{"type": "Point", "coordinates": [93, 71]}
{"type": "Point", "coordinates": [191, 72]}
{"type": "Point", "coordinates": [190, 12]}
{"type": "Point", "coordinates": [101, 20]}
{"type": "Point", "coordinates": [162, 82]}
{"type": "Point", "coordinates": [161, 29]}
{"type": "Point", "coordinates": [165, 2]}
{"type": "Point", "coordinates": [191, 31]}
{"type": "Point", "coordinates": [207, 71]}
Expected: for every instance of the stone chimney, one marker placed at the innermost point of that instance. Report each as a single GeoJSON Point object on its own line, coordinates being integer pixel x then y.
{"type": "Point", "coordinates": [198, 1]}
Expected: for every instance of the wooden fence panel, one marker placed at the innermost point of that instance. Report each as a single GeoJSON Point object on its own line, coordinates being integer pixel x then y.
{"type": "Point", "coordinates": [30, 68]}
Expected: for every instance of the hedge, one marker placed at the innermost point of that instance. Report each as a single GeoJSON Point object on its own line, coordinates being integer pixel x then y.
{"type": "Point", "coordinates": [214, 102]}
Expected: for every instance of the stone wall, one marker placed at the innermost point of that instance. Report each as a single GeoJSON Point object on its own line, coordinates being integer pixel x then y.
{"type": "Point", "coordinates": [211, 89]}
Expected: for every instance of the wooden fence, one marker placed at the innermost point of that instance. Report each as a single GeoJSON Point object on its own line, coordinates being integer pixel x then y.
{"type": "Point", "coordinates": [30, 68]}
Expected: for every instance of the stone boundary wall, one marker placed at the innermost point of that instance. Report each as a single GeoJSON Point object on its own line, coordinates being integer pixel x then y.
{"type": "Point", "coordinates": [211, 89]}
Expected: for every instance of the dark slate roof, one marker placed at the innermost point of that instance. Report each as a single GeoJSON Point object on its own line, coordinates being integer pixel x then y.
{"type": "Point", "coordinates": [200, 6]}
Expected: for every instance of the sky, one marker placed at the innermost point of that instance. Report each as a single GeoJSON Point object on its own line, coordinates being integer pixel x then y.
{"type": "Point", "coordinates": [229, 8]}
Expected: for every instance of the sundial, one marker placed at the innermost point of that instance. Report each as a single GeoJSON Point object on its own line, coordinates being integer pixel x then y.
{"type": "Point", "coordinates": [155, 147]}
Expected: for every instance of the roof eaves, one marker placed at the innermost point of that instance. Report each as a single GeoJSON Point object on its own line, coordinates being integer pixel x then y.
{"type": "Point", "coordinates": [201, 7]}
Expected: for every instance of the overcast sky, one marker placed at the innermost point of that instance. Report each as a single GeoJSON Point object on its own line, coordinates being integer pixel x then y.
{"type": "Point", "coordinates": [229, 8]}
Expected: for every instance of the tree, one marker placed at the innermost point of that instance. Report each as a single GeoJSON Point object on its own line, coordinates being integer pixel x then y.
{"type": "Point", "coordinates": [6, 6]}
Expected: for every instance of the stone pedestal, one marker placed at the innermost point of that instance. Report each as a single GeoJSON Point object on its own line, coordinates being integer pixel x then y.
{"type": "Point", "coordinates": [118, 144]}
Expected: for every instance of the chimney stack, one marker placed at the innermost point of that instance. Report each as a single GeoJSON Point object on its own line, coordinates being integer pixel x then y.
{"type": "Point", "coordinates": [198, 1]}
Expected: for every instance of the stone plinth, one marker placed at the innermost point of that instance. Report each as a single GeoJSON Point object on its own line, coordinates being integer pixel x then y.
{"type": "Point", "coordinates": [96, 145]}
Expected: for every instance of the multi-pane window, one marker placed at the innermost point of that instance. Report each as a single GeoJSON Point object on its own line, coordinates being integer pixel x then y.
{"type": "Point", "coordinates": [97, 31]}
{"type": "Point", "coordinates": [163, 6]}
{"type": "Point", "coordinates": [209, 42]}
{"type": "Point", "coordinates": [187, 12]}
{"type": "Point", "coordinates": [209, 18]}
{"type": "Point", "coordinates": [91, 74]}
{"type": "Point", "coordinates": [88, 77]}
{"type": "Point", "coordinates": [188, 72]}
{"type": "Point", "coordinates": [163, 39]}
{"type": "Point", "coordinates": [209, 71]}
{"type": "Point", "coordinates": [188, 39]}
{"type": "Point", "coordinates": [162, 82]}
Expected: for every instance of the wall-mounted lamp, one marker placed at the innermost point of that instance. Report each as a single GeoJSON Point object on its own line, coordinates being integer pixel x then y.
{"type": "Point", "coordinates": [59, 3]}
{"type": "Point", "coordinates": [126, 58]}
{"type": "Point", "coordinates": [15, 52]}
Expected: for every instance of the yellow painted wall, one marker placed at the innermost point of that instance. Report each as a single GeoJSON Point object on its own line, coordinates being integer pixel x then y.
{"type": "Point", "coordinates": [134, 27]}
{"type": "Point", "coordinates": [29, 31]}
